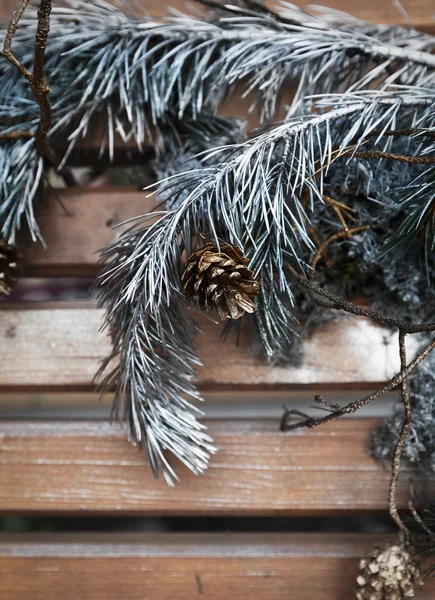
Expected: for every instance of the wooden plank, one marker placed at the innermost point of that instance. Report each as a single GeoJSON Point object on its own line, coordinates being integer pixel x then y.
{"type": "Point", "coordinates": [168, 566]}
{"type": "Point", "coordinates": [7, 7]}
{"type": "Point", "coordinates": [420, 11]}
{"type": "Point", "coordinates": [179, 566]}
{"type": "Point", "coordinates": [61, 348]}
{"type": "Point", "coordinates": [82, 223]}
{"type": "Point", "coordinates": [89, 467]}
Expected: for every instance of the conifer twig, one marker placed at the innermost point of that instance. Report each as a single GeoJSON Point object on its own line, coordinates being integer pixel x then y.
{"type": "Point", "coordinates": [353, 407]}
{"type": "Point", "coordinates": [38, 82]}
{"type": "Point", "coordinates": [399, 379]}
{"type": "Point", "coordinates": [336, 302]}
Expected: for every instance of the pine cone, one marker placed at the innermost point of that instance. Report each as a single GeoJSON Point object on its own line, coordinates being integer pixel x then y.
{"type": "Point", "coordinates": [9, 266]}
{"type": "Point", "coordinates": [220, 281]}
{"type": "Point", "coordinates": [389, 573]}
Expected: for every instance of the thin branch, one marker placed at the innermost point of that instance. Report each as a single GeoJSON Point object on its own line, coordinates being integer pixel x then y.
{"type": "Point", "coordinates": [377, 154]}
{"type": "Point", "coordinates": [399, 379]}
{"type": "Point", "coordinates": [403, 327]}
{"type": "Point", "coordinates": [8, 41]}
{"type": "Point", "coordinates": [346, 233]}
{"type": "Point", "coordinates": [339, 208]}
{"type": "Point", "coordinates": [341, 304]}
{"type": "Point", "coordinates": [354, 407]}
{"type": "Point", "coordinates": [38, 82]}
{"type": "Point", "coordinates": [17, 135]}
{"type": "Point", "coordinates": [404, 132]}
{"type": "Point", "coordinates": [406, 426]}
{"type": "Point", "coordinates": [429, 532]}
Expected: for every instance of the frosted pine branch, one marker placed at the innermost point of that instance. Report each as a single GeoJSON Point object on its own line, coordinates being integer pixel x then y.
{"type": "Point", "coordinates": [252, 195]}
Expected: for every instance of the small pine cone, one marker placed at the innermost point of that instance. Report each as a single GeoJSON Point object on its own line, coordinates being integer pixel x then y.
{"type": "Point", "coordinates": [390, 572]}
{"type": "Point", "coordinates": [220, 280]}
{"type": "Point", "coordinates": [9, 267]}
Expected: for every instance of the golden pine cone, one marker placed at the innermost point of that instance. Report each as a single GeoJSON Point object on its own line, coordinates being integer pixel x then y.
{"type": "Point", "coordinates": [9, 267]}
{"type": "Point", "coordinates": [390, 572]}
{"type": "Point", "coordinates": [220, 280]}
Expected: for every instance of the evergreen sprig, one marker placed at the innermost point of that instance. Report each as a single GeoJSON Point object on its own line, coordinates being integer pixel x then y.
{"type": "Point", "coordinates": [261, 195]}
{"type": "Point", "coordinates": [143, 78]}
{"type": "Point", "coordinates": [346, 178]}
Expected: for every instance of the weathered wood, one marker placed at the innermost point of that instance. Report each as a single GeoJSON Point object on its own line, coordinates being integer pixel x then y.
{"type": "Point", "coordinates": [82, 223]}
{"type": "Point", "coordinates": [89, 467]}
{"type": "Point", "coordinates": [62, 348]}
{"type": "Point", "coordinates": [7, 8]}
{"type": "Point", "coordinates": [180, 566]}
{"type": "Point", "coordinates": [420, 12]}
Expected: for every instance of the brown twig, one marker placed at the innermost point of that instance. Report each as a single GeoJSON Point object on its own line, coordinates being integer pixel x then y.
{"type": "Point", "coordinates": [16, 135]}
{"type": "Point", "coordinates": [345, 233]}
{"type": "Point", "coordinates": [339, 208]}
{"type": "Point", "coordinates": [336, 302]}
{"type": "Point", "coordinates": [333, 301]}
{"type": "Point", "coordinates": [353, 407]}
{"type": "Point", "coordinates": [8, 40]}
{"type": "Point", "coordinates": [403, 132]}
{"type": "Point", "coordinates": [377, 154]}
{"type": "Point", "coordinates": [406, 426]}
{"type": "Point", "coordinates": [38, 82]}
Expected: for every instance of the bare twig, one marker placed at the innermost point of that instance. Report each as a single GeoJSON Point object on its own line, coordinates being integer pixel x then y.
{"type": "Point", "coordinates": [8, 41]}
{"type": "Point", "coordinates": [16, 135]}
{"type": "Point", "coordinates": [377, 154]}
{"type": "Point", "coordinates": [395, 463]}
{"type": "Point", "coordinates": [354, 407]}
{"type": "Point", "coordinates": [345, 233]}
{"type": "Point", "coordinates": [404, 328]}
{"type": "Point", "coordinates": [334, 301]}
{"type": "Point", "coordinates": [339, 208]}
{"type": "Point", "coordinates": [403, 132]}
{"type": "Point", "coordinates": [38, 82]}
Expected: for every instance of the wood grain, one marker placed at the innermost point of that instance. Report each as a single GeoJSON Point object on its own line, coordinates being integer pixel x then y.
{"type": "Point", "coordinates": [74, 237]}
{"type": "Point", "coordinates": [89, 467]}
{"type": "Point", "coordinates": [420, 12]}
{"type": "Point", "coordinates": [180, 566]}
{"type": "Point", "coordinates": [61, 348]}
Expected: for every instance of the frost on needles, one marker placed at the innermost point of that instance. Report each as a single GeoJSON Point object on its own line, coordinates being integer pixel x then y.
{"type": "Point", "coordinates": [342, 187]}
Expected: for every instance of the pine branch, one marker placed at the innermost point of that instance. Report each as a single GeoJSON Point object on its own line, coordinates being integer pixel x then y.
{"type": "Point", "coordinates": [22, 170]}
{"type": "Point", "coordinates": [153, 340]}
{"type": "Point", "coordinates": [257, 195]}
{"type": "Point", "coordinates": [143, 78]}
{"type": "Point", "coordinates": [188, 65]}
{"type": "Point", "coordinates": [22, 161]}
{"type": "Point", "coordinates": [37, 80]}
